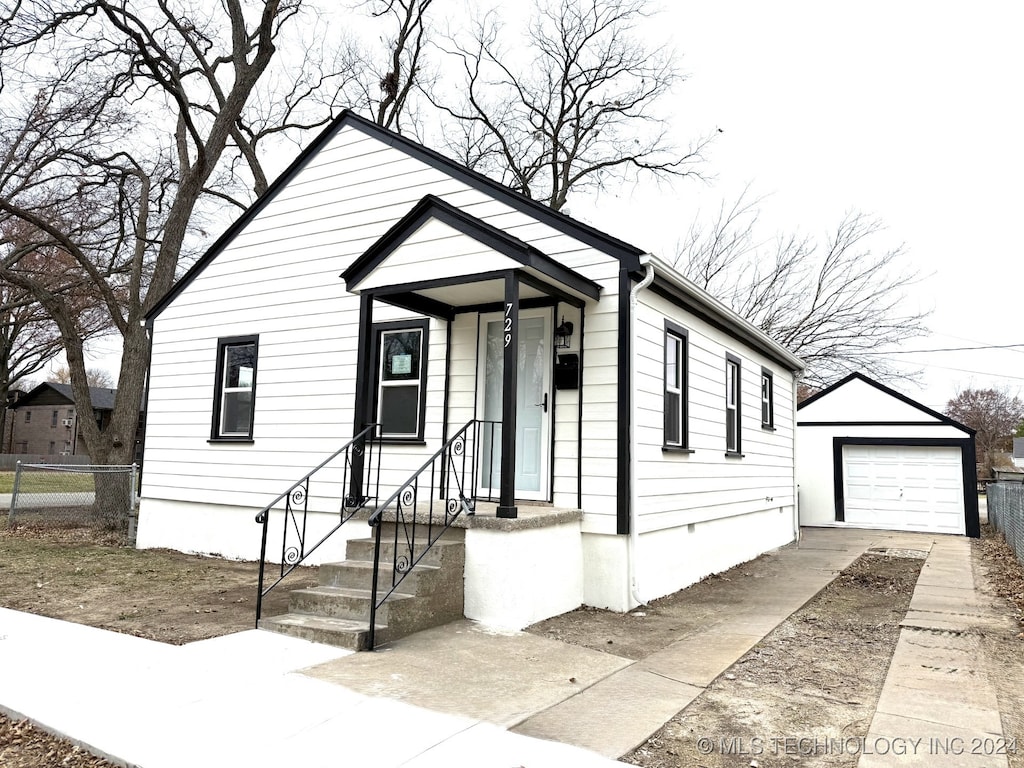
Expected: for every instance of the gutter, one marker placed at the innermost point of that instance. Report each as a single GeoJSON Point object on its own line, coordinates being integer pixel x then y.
{"type": "Point", "coordinates": [634, 499]}
{"type": "Point", "coordinates": [740, 326]}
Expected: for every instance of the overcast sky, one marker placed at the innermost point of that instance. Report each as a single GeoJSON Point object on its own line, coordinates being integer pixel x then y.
{"type": "Point", "coordinates": [911, 111]}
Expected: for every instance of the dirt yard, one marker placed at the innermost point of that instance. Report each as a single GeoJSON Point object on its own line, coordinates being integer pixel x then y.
{"type": "Point", "coordinates": [819, 674]}
{"type": "Point", "coordinates": [820, 671]}
{"type": "Point", "coordinates": [89, 578]}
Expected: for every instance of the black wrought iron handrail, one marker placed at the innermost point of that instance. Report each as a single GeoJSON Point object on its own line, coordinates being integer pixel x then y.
{"type": "Point", "coordinates": [448, 479]}
{"type": "Point", "coordinates": [361, 464]}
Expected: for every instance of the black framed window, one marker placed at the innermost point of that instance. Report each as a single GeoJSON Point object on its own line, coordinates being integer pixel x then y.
{"type": "Point", "coordinates": [767, 399]}
{"type": "Point", "coordinates": [401, 388]}
{"type": "Point", "coordinates": [53, 418]}
{"type": "Point", "coordinates": [733, 405]}
{"type": "Point", "coordinates": [235, 399]}
{"type": "Point", "coordinates": [676, 395]}
{"type": "Point", "coordinates": [28, 417]}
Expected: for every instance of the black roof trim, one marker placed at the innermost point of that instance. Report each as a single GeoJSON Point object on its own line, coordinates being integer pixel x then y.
{"type": "Point", "coordinates": [892, 393]}
{"type": "Point", "coordinates": [628, 255]}
{"type": "Point", "coordinates": [667, 291]}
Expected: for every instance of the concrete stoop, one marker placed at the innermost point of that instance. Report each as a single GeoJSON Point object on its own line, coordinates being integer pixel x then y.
{"type": "Point", "coordinates": [337, 610]}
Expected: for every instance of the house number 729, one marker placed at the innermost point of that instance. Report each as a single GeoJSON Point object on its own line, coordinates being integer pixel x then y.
{"type": "Point", "coordinates": [508, 324]}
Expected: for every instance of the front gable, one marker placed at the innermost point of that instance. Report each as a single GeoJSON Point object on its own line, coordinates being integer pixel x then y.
{"type": "Point", "coordinates": [858, 399]}
{"type": "Point", "coordinates": [355, 170]}
{"type": "Point", "coordinates": [435, 249]}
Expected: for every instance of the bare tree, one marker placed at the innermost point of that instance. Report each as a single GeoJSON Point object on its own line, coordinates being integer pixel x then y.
{"type": "Point", "coordinates": [993, 413]}
{"type": "Point", "coordinates": [837, 304]}
{"type": "Point", "coordinates": [28, 341]}
{"type": "Point", "coordinates": [140, 120]}
{"type": "Point", "coordinates": [569, 110]}
{"type": "Point", "coordinates": [98, 377]}
{"type": "Point", "coordinates": [393, 72]}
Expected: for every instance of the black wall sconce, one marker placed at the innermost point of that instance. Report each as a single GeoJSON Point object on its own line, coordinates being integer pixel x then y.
{"type": "Point", "coordinates": [563, 335]}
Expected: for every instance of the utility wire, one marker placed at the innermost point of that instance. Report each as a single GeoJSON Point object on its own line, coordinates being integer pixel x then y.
{"type": "Point", "coordinates": [945, 349]}
{"type": "Point", "coordinates": [965, 370]}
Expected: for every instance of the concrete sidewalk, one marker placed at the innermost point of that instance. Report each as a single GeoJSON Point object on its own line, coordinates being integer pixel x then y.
{"type": "Point", "coordinates": [456, 695]}
{"type": "Point", "coordinates": [938, 701]}
{"type": "Point", "coordinates": [233, 700]}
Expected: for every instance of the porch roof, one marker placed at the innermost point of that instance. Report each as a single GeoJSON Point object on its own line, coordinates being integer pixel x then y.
{"type": "Point", "coordinates": [438, 260]}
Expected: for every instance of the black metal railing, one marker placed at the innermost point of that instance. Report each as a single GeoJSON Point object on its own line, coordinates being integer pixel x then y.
{"type": "Point", "coordinates": [428, 503]}
{"type": "Point", "coordinates": [359, 462]}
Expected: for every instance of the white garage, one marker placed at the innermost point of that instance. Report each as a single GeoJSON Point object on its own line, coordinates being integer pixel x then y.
{"type": "Point", "coordinates": [870, 457]}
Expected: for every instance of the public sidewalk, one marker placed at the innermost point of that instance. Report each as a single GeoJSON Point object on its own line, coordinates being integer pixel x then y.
{"type": "Point", "coordinates": [938, 700]}
{"type": "Point", "coordinates": [458, 695]}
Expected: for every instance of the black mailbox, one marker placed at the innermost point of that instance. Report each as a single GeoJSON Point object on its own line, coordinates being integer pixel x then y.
{"type": "Point", "coordinates": [567, 372]}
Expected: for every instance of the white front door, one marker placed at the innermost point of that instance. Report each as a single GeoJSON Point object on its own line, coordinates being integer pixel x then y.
{"type": "Point", "coordinates": [533, 404]}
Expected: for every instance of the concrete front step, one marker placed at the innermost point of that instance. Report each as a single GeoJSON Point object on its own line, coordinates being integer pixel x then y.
{"type": "Point", "coordinates": [358, 574]}
{"type": "Point", "coordinates": [337, 611]}
{"type": "Point", "coordinates": [342, 633]}
{"type": "Point", "coordinates": [341, 602]}
{"type": "Point", "coordinates": [441, 552]}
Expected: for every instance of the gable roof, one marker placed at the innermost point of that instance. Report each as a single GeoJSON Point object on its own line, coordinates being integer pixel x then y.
{"type": "Point", "coordinates": [102, 398]}
{"type": "Point", "coordinates": [434, 208]}
{"type": "Point", "coordinates": [628, 255]}
{"type": "Point", "coordinates": [857, 376]}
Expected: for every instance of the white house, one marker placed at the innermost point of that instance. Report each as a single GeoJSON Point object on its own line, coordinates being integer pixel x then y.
{"type": "Point", "coordinates": [634, 434]}
{"type": "Point", "coordinates": [871, 457]}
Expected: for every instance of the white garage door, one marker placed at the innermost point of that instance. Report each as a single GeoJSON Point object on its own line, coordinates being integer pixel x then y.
{"type": "Point", "coordinates": [909, 488]}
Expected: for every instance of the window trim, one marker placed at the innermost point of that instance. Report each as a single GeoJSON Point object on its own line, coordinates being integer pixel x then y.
{"type": "Point", "coordinates": [768, 377]}
{"type": "Point", "coordinates": [218, 388]}
{"type": "Point", "coordinates": [682, 336]}
{"type": "Point", "coordinates": [733, 360]}
{"type": "Point", "coordinates": [377, 331]}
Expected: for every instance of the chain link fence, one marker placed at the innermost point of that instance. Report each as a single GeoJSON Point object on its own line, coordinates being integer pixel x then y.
{"type": "Point", "coordinates": [66, 497]}
{"type": "Point", "coordinates": [1006, 514]}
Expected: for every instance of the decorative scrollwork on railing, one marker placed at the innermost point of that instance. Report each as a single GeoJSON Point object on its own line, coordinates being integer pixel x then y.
{"type": "Point", "coordinates": [459, 445]}
{"type": "Point", "coordinates": [453, 506]}
{"type": "Point", "coordinates": [355, 468]}
{"type": "Point", "coordinates": [408, 496]}
{"type": "Point", "coordinates": [403, 562]}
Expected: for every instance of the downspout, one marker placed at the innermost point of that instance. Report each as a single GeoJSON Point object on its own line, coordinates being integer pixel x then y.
{"type": "Point", "coordinates": [796, 486]}
{"type": "Point", "coordinates": [634, 498]}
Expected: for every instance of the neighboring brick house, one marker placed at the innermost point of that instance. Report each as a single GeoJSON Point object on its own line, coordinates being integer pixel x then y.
{"type": "Point", "coordinates": [45, 421]}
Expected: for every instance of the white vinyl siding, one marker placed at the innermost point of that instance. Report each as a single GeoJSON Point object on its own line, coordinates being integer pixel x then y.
{"type": "Point", "coordinates": [436, 250]}
{"type": "Point", "coordinates": [678, 489]}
